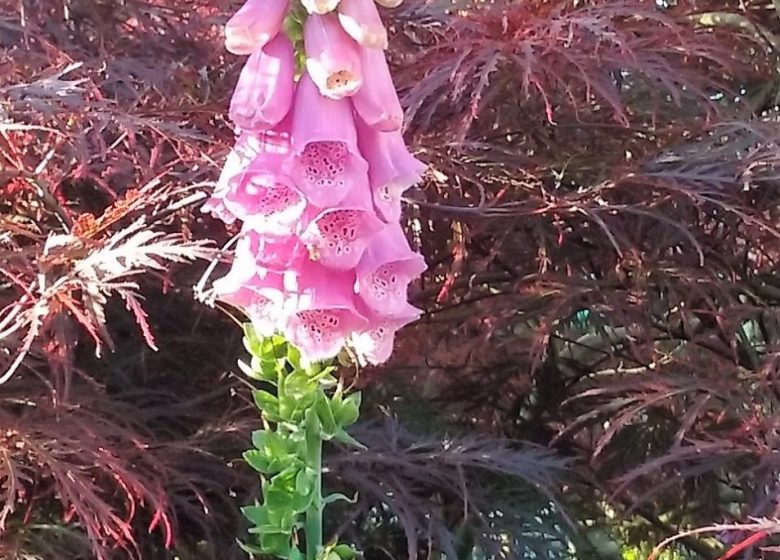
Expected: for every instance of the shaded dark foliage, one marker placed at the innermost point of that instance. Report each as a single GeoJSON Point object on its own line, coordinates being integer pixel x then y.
{"type": "Point", "coordinates": [609, 289]}
{"type": "Point", "coordinates": [452, 495]}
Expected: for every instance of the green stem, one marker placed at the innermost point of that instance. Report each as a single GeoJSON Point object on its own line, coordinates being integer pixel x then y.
{"type": "Point", "coordinates": [314, 513]}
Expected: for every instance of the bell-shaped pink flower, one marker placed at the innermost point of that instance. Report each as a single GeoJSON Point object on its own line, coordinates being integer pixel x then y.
{"type": "Point", "coordinates": [391, 168]}
{"type": "Point", "coordinates": [215, 205]}
{"type": "Point", "coordinates": [375, 342]}
{"type": "Point", "coordinates": [259, 292]}
{"type": "Point", "coordinates": [264, 91]}
{"type": "Point", "coordinates": [254, 189]}
{"type": "Point", "coordinates": [278, 254]}
{"type": "Point", "coordinates": [332, 58]}
{"type": "Point", "coordinates": [254, 25]}
{"type": "Point", "coordinates": [321, 311]}
{"type": "Point", "coordinates": [377, 101]}
{"type": "Point", "coordinates": [326, 163]}
{"type": "Point", "coordinates": [386, 269]}
{"type": "Point", "coordinates": [337, 237]}
{"type": "Point", "coordinates": [360, 19]}
{"type": "Point", "coordinates": [320, 6]}
{"type": "Point", "coordinates": [265, 198]}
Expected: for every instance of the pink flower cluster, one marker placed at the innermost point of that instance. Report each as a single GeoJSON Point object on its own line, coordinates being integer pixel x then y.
{"type": "Point", "coordinates": [316, 178]}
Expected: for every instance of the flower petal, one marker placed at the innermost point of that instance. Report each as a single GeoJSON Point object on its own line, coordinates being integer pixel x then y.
{"type": "Point", "coordinates": [332, 58]}
{"type": "Point", "coordinates": [338, 236]}
{"type": "Point", "coordinates": [264, 91]}
{"type": "Point", "coordinates": [386, 269]}
{"type": "Point", "coordinates": [326, 163]}
{"type": "Point", "coordinates": [360, 19]}
{"type": "Point", "coordinates": [375, 342]}
{"type": "Point", "coordinates": [254, 24]}
{"type": "Point", "coordinates": [391, 168]}
{"type": "Point", "coordinates": [322, 311]}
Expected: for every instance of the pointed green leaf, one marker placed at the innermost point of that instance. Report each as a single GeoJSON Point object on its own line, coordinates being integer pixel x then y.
{"type": "Point", "coordinates": [325, 415]}
{"type": "Point", "coordinates": [345, 551]}
{"type": "Point", "coordinates": [349, 411]}
{"type": "Point", "coordinates": [344, 437]}
{"type": "Point", "coordinates": [267, 403]}
{"type": "Point", "coordinates": [338, 497]}
{"type": "Point", "coordinates": [257, 460]}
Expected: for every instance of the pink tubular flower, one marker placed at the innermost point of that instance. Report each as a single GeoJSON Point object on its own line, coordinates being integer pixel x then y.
{"type": "Point", "coordinates": [264, 92]}
{"type": "Point", "coordinates": [377, 102]}
{"type": "Point", "coordinates": [326, 163]}
{"type": "Point", "coordinates": [215, 205]}
{"type": "Point", "coordinates": [254, 24]}
{"type": "Point", "coordinates": [253, 188]}
{"type": "Point", "coordinates": [392, 169]}
{"type": "Point", "coordinates": [320, 6]}
{"type": "Point", "coordinates": [386, 269]}
{"type": "Point", "coordinates": [258, 291]}
{"type": "Point", "coordinates": [375, 343]}
{"type": "Point", "coordinates": [265, 199]}
{"type": "Point", "coordinates": [338, 236]}
{"type": "Point", "coordinates": [278, 254]}
{"type": "Point", "coordinates": [360, 19]}
{"type": "Point", "coordinates": [315, 180]}
{"type": "Point", "coordinates": [332, 58]}
{"type": "Point", "coordinates": [321, 311]}
{"type": "Point", "coordinates": [389, 3]}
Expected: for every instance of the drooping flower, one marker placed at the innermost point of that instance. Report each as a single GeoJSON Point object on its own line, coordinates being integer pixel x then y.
{"type": "Point", "coordinates": [326, 162]}
{"type": "Point", "coordinates": [320, 6]}
{"type": "Point", "coordinates": [389, 3]}
{"type": "Point", "coordinates": [332, 57]}
{"type": "Point", "coordinates": [252, 185]}
{"type": "Point", "coordinates": [254, 25]}
{"type": "Point", "coordinates": [321, 310]}
{"type": "Point", "coordinates": [264, 197]}
{"type": "Point", "coordinates": [377, 102]}
{"type": "Point", "coordinates": [338, 235]}
{"type": "Point", "coordinates": [215, 205]}
{"type": "Point", "coordinates": [360, 19]}
{"type": "Point", "coordinates": [315, 179]}
{"type": "Point", "coordinates": [375, 343]}
{"type": "Point", "coordinates": [275, 253]}
{"type": "Point", "coordinates": [386, 269]}
{"type": "Point", "coordinates": [256, 290]}
{"type": "Point", "coordinates": [264, 92]}
{"type": "Point", "coordinates": [391, 168]}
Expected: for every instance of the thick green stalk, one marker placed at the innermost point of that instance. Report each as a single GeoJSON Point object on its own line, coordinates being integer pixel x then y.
{"type": "Point", "coordinates": [314, 513]}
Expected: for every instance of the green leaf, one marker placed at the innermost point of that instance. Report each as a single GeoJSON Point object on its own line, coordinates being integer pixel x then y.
{"type": "Point", "coordinates": [265, 370]}
{"type": "Point", "coordinates": [304, 481]}
{"type": "Point", "coordinates": [251, 549]}
{"type": "Point", "coordinates": [293, 356]}
{"type": "Point", "coordinates": [344, 437]}
{"type": "Point", "coordinates": [255, 514]}
{"type": "Point", "coordinates": [280, 493]}
{"type": "Point", "coordinates": [345, 551]}
{"type": "Point", "coordinates": [251, 341]}
{"type": "Point", "coordinates": [257, 460]}
{"type": "Point", "coordinates": [276, 544]}
{"type": "Point", "coordinates": [276, 452]}
{"type": "Point", "coordinates": [325, 415]}
{"type": "Point", "coordinates": [298, 385]}
{"type": "Point", "coordinates": [349, 411]}
{"type": "Point", "coordinates": [248, 370]}
{"type": "Point", "coordinates": [339, 497]}
{"type": "Point", "coordinates": [267, 403]}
